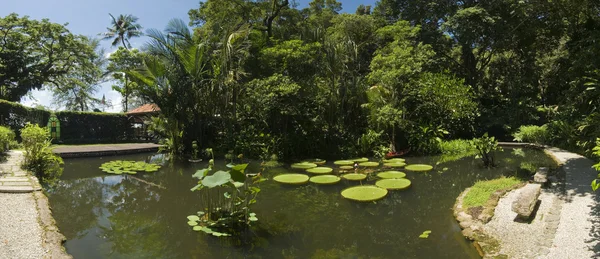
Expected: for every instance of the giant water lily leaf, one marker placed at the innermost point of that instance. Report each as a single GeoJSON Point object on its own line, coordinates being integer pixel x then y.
{"type": "Point", "coordinates": [369, 164]}
{"type": "Point", "coordinates": [391, 174]}
{"type": "Point", "coordinates": [217, 179]}
{"type": "Point", "coordinates": [303, 165]}
{"type": "Point", "coordinates": [354, 177]}
{"type": "Point", "coordinates": [346, 167]}
{"type": "Point", "coordinates": [320, 170]}
{"type": "Point", "coordinates": [393, 184]}
{"type": "Point", "coordinates": [316, 161]}
{"type": "Point", "coordinates": [344, 162]}
{"type": "Point", "coordinates": [419, 167]}
{"type": "Point", "coordinates": [394, 160]}
{"type": "Point", "coordinates": [364, 193]}
{"type": "Point", "coordinates": [394, 164]}
{"type": "Point", "coordinates": [325, 179]}
{"type": "Point", "coordinates": [291, 178]}
{"type": "Point", "coordinates": [360, 160]}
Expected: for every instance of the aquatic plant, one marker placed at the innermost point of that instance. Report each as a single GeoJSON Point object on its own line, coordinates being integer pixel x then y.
{"type": "Point", "coordinates": [128, 167]}
{"type": "Point", "coordinates": [364, 193]}
{"type": "Point", "coordinates": [486, 146]}
{"type": "Point", "coordinates": [391, 175]}
{"type": "Point", "coordinates": [394, 164]}
{"type": "Point", "coordinates": [393, 184]}
{"type": "Point", "coordinates": [320, 170]}
{"type": "Point", "coordinates": [419, 168]}
{"type": "Point", "coordinates": [343, 162]}
{"type": "Point", "coordinates": [291, 178]}
{"type": "Point", "coordinates": [369, 164]}
{"type": "Point", "coordinates": [325, 179]}
{"type": "Point", "coordinates": [425, 234]}
{"type": "Point", "coordinates": [303, 165]}
{"type": "Point", "coordinates": [227, 197]}
{"type": "Point", "coordinates": [354, 177]}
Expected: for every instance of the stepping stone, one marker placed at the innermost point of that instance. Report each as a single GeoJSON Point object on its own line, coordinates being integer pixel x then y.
{"type": "Point", "coordinates": [14, 179]}
{"type": "Point", "coordinates": [15, 183]}
{"type": "Point", "coordinates": [17, 189]}
{"type": "Point", "coordinates": [525, 202]}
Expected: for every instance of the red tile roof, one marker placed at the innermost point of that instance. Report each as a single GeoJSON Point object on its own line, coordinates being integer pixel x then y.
{"type": "Point", "coordinates": [146, 108]}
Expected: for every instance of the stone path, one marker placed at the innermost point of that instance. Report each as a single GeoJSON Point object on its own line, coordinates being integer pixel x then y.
{"type": "Point", "coordinates": [102, 150]}
{"type": "Point", "coordinates": [566, 223]}
{"type": "Point", "coordinates": [27, 229]}
{"type": "Point", "coordinates": [13, 179]}
{"type": "Point", "coordinates": [576, 236]}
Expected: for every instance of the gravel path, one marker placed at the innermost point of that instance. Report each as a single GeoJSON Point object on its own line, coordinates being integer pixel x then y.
{"type": "Point", "coordinates": [575, 235]}
{"type": "Point", "coordinates": [20, 231]}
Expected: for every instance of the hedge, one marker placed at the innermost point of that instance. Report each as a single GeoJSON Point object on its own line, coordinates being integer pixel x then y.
{"type": "Point", "coordinates": [75, 127]}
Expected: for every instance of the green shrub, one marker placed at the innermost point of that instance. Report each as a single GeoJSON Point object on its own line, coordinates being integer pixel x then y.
{"type": "Point", "coordinates": [453, 150]}
{"type": "Point", "coordinates": [532, 134]}
{"type": "Point", "coordinates": [7, 137]}
{"type": "Point", "coordinates": [39, 158]}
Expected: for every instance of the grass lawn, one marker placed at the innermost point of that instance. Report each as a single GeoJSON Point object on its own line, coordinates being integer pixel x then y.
{"type": "Point", "coordinates": [480, 192]}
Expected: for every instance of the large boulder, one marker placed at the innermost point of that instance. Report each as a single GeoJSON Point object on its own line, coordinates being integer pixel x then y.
{"type": "Point", "coordinates": [527, 199]}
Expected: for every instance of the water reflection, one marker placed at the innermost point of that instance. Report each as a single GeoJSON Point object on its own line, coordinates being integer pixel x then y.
{"type": "Point", "coordinates": [143, 216]}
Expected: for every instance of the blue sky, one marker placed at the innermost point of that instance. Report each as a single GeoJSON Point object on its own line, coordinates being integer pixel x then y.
{"type": "Point", "coordinates": [90, 17]}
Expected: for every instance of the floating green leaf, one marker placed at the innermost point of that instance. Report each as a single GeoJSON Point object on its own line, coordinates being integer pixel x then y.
{"type": "Point", "coordinates": [303, 165]}
{"type": "Point", "coordinates": [320, 170]}
{"type": "Point", "coordinates": [369, 164]}
{"type": "Point", "coordinates": [346, 167]}
{"type": "Point", "coordinates": [354, 177]}
{"type": "Point", "coordinates": [360, 160]}
{"type": "Point", "coordinates": [391, 174]}
{"type": "Point", "coordinates": [394, 184]}
{"type": "Point", "coordinates": [325, 179]}
{"type": "Point", "coordinates": [316, 161]}
{"type": "Point", "coordinates": [193, 218]}
{"type": "Point", "coordinates": [364, 193]}
{"type": "Point", "coordinates": [394, 164]}
{"type": "Point", "coordinates": [425, 234]}
{"type": "Point", "coordinates": [291, 178]}
{"type": "Point", "coordinates": [193, 223]}
{"type": "Point", "coordinates": [128, 167]}
{"type": "Point", "coordinates": [344, 162]}
{"type": "Point", "coordinates": [253, 218]}
{"type": "Point", "coordinates": [394, 160]}
{"type": "Point", "coordinates": [419, 167]}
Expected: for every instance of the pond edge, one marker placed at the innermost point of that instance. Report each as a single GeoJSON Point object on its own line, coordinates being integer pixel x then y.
{"type": "Point", "coordinates": [472, 229]}
{"type": "Point", "coordinates": [52, 239]}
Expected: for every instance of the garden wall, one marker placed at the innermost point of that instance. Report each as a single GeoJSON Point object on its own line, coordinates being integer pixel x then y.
{"type": "Point", "coordinates": [75, 127]}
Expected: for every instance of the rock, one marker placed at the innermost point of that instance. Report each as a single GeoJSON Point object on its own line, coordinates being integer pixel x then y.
{"type": "Point", "coordinates": [462, 216]}
{"type": "Point", "coordinates": [465, 224]}
{"type": "Point", "coordinates": [541, 175]}
{"type": "Point", "coordinates": [525, 202]}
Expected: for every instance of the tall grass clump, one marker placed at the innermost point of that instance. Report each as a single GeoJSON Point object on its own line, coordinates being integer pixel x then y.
{"type": "Point", "coordinates": [532, 134]}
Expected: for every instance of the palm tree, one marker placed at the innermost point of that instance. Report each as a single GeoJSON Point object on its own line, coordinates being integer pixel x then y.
{"type": "Point", "coordinates": [122, 29]}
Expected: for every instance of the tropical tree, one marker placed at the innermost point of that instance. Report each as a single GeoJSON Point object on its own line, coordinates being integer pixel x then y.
{"type": "Point", "coordinates": [36, 53]}
{"type": "Point", "coordinates": [122, 29]}
{"type": "Point", "coordinates": [120, 62]}
{"type": "Point", "coordinates": [76, 90]}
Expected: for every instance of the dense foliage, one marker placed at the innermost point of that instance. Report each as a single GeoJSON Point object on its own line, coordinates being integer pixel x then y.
{"type": "Point", "coordinates": [264, 77]}
{"type": "Point", "coordinates": [7, 136]}
{"type": "Point", "coordinates": [39, 158]}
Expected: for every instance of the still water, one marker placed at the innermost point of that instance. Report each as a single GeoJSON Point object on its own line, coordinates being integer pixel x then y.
{"type": "Point", "coordinates": [114, 216]}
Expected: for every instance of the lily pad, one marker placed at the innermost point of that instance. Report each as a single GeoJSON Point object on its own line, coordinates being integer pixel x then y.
{"type": "Point", "coordinates": [193, 223]}
{"type": "Point", "coordinates": [393, 184]}
{"type": "Point", "coordinates": [391, 175]}
{"type": "Point", "coordinates": [216, 179]}
{"type": "Point", "coordinates": [419, 167]}
{"type": "Point", "coordinates": [316, 161]}
{"type": "Point", "coordinates": [193, 218]}
{"type": "Point", "coordinates": [346, 167]}
{"type": "Point", "coordinates": [303, 165]}
{"type": "Point", "coordinates": [128, 167]}
{"type": "Point", "coordinates": [360, 160]}
{"type": "Point", "coordinates": [344, 162]}
{"type": "Point", "coordinates": [395, 164]}
{"type": "Point", "coordinates": [354, 177]}
{"type": "Point", "coordinates": [364, 193]}
{"type": "Point", "coordinates": [325, 179]}
{"type": "Point", "coordinates": [369, 164]}
{"type": "Point", "coordinates": [291, 178]}
{"type": "Point", "coordinates": [394, 160]}
{"type": "Point", "coordinates": [320, 170]}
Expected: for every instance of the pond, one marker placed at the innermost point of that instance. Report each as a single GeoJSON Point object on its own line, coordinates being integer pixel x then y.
{"type": "Point", "coordinates": [116, 216]}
